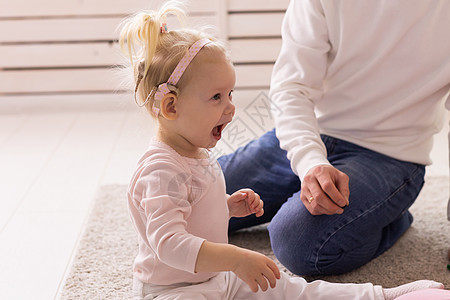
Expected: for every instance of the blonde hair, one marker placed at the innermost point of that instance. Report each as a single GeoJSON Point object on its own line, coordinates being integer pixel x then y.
{"type": "Point", "coordinates": [153, 54]}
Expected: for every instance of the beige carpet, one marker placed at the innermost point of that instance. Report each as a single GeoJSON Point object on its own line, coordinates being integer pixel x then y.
{"type": "Point", "coordinates": [102, 265]}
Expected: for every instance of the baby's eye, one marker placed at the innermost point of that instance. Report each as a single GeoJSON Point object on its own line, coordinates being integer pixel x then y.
{"type": "Point", "coordinates": [216, 97]}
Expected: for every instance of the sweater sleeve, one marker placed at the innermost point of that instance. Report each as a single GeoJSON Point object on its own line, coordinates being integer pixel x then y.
{"type": "Point", "coordinates": [297, 84]}
{"type": "Point", "coordinates": [166, 205]}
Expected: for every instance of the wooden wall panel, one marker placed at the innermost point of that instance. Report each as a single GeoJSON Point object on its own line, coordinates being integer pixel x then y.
{"type": "Point", "coordinates": [103, 80]}
{"type": "Point", "coordinates": [255, 50]}
{"type": "Point", "coordinates": [59, 55]}
{"type": "Point", "coordinates": [255, 25]}
{"type": "Point", "coordinates": [74, 29]}
{"type": "Point", "coordinates": [257, 5]}
{"type": "Point", "coordinates": [61, 47]}
{"type": "Point", "coordinates": [253, 76]}
{"type": "Point", "coordinates": [58, 81]}
{"type": "Point", "coordinates": [254, 33]}
{"type": "Point", "coordinates": [37, 8]}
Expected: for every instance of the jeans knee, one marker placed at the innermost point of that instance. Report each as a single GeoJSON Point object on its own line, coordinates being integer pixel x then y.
{"type": "Point", "coordinates": [305, 252]}
{"type": "Point", "coordinates": [288, 248]}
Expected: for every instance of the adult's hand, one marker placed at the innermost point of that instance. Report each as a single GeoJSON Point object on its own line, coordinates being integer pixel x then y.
{"type": "Point", "coordinates": [325, 190]}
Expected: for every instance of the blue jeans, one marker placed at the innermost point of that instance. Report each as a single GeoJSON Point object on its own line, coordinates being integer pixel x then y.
{"type": "Point", "coordinates": [381, 191]}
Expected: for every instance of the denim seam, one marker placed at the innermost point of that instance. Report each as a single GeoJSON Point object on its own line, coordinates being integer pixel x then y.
{"type": "Point", "coordinates": [405, 182]}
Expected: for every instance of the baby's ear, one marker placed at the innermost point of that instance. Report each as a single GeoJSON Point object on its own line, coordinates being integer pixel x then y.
{"type": "Point", "coordinates": [168, 106]}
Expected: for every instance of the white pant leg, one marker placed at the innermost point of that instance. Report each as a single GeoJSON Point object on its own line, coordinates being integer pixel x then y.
{"type": "Point", "coordinates": [227, 286]}
{"type": "Point", "coordinates": [213, 289]}
{"type": "Point", "coordinates": [148, 291]}
{"type": "Point", "coordinates": [288, 287]}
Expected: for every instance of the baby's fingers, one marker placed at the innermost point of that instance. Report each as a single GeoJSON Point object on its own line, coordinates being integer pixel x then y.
{"type": "Point", "coordinates": [255, 202]}
{"type": "Point", "coordinates": [274, 269]}
{"type": "Point", "coordinates": [253, 285]}
{"type": "Point", "coordinates": [271, 277]}
{"type": "Point", "coordinates": [259, 213]}
{"type": "Point", "coordinates": [262, 282]}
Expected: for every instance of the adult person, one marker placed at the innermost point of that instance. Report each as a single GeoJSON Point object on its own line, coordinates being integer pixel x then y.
{"type": "Point", "coordinates": [361, 87]}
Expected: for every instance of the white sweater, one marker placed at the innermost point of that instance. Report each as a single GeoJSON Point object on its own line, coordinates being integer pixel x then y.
{"type": "Point", "coordinates": [372, 72]}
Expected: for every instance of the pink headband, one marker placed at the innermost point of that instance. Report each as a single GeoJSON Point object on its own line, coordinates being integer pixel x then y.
{"type": "Point", "coordinates": [163, 88]}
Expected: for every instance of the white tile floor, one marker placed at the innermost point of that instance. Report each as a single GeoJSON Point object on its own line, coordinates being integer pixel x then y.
{"type": "Point", "coordinates": [55, 152]}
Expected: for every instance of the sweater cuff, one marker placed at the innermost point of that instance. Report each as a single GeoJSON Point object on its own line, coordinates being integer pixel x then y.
{"type": "Point", "coordinates": [302, 165]}
{"type": "Point", "coordinates": [192, 256]}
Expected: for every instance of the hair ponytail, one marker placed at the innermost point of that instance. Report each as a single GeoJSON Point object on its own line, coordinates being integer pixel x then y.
{"type": "Point", "coordinates": [140, 33]}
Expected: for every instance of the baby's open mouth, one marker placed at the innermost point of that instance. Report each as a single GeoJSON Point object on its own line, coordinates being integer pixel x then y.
{"type": "Point", "coordinates": [217, 131]}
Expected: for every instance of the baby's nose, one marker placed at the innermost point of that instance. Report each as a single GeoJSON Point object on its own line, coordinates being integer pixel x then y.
{"type": "Point", "coordinates": [231, 109]}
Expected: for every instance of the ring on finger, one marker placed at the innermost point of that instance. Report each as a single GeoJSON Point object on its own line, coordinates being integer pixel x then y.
{"type": "Point", "coordinates": [310, 199]}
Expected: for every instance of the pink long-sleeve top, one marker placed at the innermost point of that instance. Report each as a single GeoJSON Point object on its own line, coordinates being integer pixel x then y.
{"type": "Point", "coordinates": [175, 204]}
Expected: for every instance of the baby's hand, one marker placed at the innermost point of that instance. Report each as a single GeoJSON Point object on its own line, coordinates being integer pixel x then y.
{"type": "Point", "coordinates": [256, 269]}
{"type": "Point", "coordinates": [245, 202]}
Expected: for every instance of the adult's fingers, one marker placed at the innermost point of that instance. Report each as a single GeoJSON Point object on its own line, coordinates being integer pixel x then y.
{"type": "Point", "coordinates": [317, 201]}
{"type": "Point", "coordinates": [333, 183]}
{"type": "Point", "coordinates": [342, 184]}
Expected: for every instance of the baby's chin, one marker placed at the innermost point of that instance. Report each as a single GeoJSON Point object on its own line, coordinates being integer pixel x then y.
{"type": "Point", "coordinates": [211, 145]}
